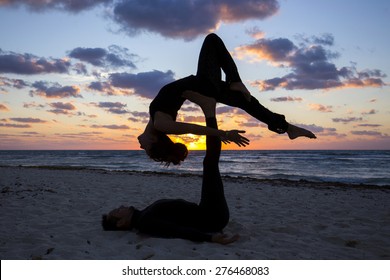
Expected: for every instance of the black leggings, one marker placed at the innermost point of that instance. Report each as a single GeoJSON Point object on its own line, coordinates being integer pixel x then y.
{"type": "Point", "coordinates": [213, 203]}
{"type": "Point", "coordinates": [212, 58]}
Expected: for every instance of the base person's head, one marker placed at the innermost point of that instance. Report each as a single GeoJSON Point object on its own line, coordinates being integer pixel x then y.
{"type": "Point", "coordinates": [118, 219]}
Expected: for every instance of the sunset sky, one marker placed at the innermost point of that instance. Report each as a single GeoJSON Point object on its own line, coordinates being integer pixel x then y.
{"type": "Point", "coordinates": [80, 74]}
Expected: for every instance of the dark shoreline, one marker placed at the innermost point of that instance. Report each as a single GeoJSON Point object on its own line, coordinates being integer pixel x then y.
{"type": "Point", "coordinates": [236, 179]}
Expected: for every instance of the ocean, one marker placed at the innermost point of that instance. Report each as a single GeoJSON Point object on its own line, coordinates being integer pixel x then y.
{"type": "Point", "coordinates": [344, 166]}
{"type": "Point", "coordinates": [355, 166]}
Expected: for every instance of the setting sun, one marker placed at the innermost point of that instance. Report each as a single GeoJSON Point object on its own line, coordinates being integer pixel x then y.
{"type": "Point", "coordinates": [193, 142]}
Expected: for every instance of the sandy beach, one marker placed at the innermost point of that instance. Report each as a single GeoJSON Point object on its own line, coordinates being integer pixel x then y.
{"type": "Point", "coordinates": [56, 214]}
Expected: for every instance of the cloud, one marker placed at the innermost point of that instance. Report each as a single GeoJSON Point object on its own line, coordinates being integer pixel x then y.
{"type": "Point", "coordinates": [226, 110]}
{"type": "Point", "coordinates": [367, 133]}
{"type": "Point", "coordinates": [81, 135]}
{"type": "Point", "coordinates": [103, 87]}
{"type": "Point", "coordinates": [55, 90]}
{"type": "Point", "coordinates": [187, 19]}
{"type": "Point", "coordinates": [67, 5]}
{"type": "Point", "coordinates": [14, 83]}
{"type": "Point", "coordinates": [321, 108]}
{"type": "Point", "coordinates": [252, 123]}
{"type": "Point", "coordinates": [28, 120]}
{"type": "Point", "coordinates": [95, 56]}
{"type": "Point", "coordinates": [80, 69]}
{"type": "Point", "coordinates": [144, 84]}
{"type": "Point", "coordinates": [323, 131]}
{"type": "Point", "coordinates": [12, 125]}
{"type": "Point", "coordinates": [346, 120]}
{"type": "Point", "coordinates": [25, 122]}
{"type": "Point", "coordinates": [3, 107]}
{"type": "Point", "coordinates": [33, 105]}
{"type": "Point", "coordinates": [112, 126]}
{"type": "Point", "coordinates": [310, 64]}
{"type": "Point", "coordinates": [112, 107]}
{"type": "Point", "coordinates": [169, 18]}
{"type": "Point", "coordinates": [325, 39]}
{"type": "Point", "coordinates": [369, 125]}
{"type": "Point", "coordinates": [276, 50]}
{"type": "Point", "coordinates": [314, 128]}
{"type": "Point", "coordinates": [142, 117]}
{"type": "Point", "coordinates": [28, 64]}
{"type": "Point", "coordinates": [61, 108]}
{"type": "Point", "coordinates": [255, 33]}
{"type": "Point", "coordinates": [190, 107]}
{"type": "Point", "coordinates": [192, 119]}
{"type": "Point", "coordinates": [140, 114]}
{"type": "Point", "coordinates": [370, 112]}
{"type": "Point", "coordinates": [286, 99]}
{"type": "Point", "coordinates": [114, 57]}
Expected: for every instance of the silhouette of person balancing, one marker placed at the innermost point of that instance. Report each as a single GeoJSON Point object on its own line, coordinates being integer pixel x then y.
{"type": "Point", "coordinates": [207, 82]}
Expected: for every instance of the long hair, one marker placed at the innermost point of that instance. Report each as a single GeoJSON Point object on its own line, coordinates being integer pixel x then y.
{"type": "Point", "coordinates": [166, 151]}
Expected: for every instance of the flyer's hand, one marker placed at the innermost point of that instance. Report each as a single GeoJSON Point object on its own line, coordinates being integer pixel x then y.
{"type": "Point", "coordinates": [236, 137]}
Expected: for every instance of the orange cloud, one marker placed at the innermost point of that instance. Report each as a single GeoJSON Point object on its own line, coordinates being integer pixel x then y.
{"type": "Point", "coordinates": [321, 108]}
{"type": "Point", "coordinates": [311, 65]}
{"type": "Point", "coordinates": [362, 83]}
{"type": "Point", "coordinates": [3, 107]}
{"type": "Point", "coordinates": [44, 89]}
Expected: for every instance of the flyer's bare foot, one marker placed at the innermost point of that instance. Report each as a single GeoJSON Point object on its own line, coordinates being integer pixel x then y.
{"type": "Point", "coordinates": [295, 132]}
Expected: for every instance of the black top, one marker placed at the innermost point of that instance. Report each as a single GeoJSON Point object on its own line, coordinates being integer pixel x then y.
{"type": "Point", "coordinates": [169, 99]}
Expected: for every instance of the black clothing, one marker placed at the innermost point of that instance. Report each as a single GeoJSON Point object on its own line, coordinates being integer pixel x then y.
{"type": "Point", "coordinates": [212, 58]}
{"type": "Point", "coordinates": [169, 99]}
{"type": "Point", "coordinates": [177, 218]}
{"type": "Point", "coordinates": [171, 218]}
